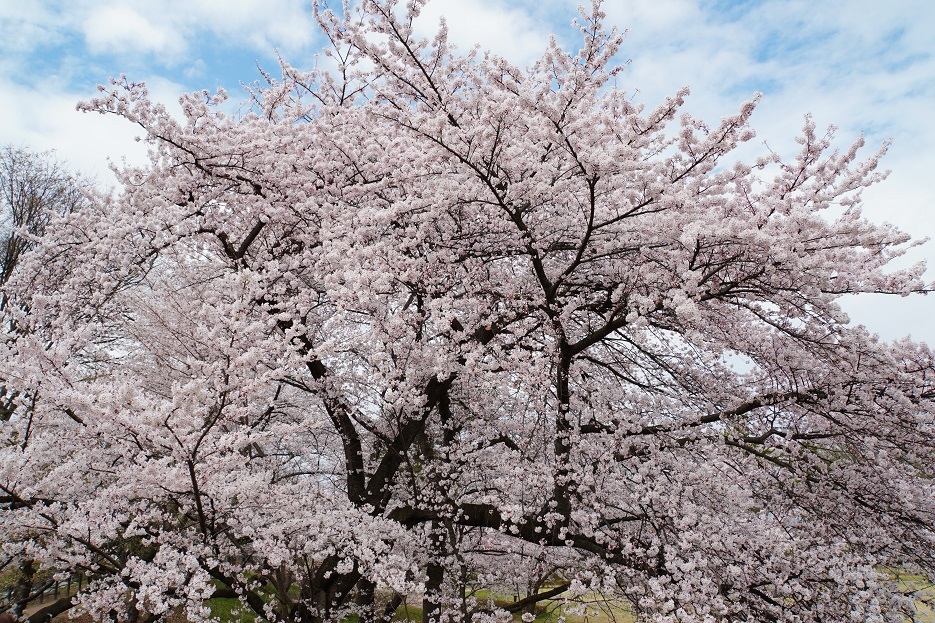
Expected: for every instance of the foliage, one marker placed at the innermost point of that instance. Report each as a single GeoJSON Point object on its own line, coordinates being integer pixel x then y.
{"type": "Point", "coordinates": [429, 322]}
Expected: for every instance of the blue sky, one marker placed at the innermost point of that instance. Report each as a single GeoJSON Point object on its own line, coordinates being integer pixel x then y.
{"type": "Point", "coordinates": [867, 66]}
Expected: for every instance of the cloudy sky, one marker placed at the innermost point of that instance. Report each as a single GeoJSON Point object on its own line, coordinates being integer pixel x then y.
{"type": "Point", "coordinates": [866, 66]}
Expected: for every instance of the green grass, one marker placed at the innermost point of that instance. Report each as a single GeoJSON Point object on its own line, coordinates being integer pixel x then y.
{"type": "Point", "coordinates": [230, 610]}
{"type": "Point", "coordinates": [407, 612]}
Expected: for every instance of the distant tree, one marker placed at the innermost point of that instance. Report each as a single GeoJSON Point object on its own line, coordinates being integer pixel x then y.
{"type": "Point", "coordinates": [34, 187]}
{"type": "Point", "coordinates": [432, 323]}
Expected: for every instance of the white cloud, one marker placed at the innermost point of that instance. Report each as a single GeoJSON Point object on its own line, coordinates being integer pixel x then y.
{"type": "Point", "coordinates": [166, 29]}
{"type": "Point", "coordinates": [500, 27]}
{"type": "Point", "coordinates": [653, 15]}
{"type": "Point", "coordinates": [25, 26]}
{"type": "Point", "coordinates": [120, 29]}
{"type": "Point", "coordinates": [44, 118]}
{"type": "Point", "coordinates": [265, 24]}
{"type": "Point", "coordinates": [172, 27]}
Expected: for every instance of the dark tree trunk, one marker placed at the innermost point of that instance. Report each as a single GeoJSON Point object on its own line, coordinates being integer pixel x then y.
{"type": "Point", "coordinates": [435, 570]}
{"type": "Point", "coordinates": [462, 589]}
{"type": "Point", "coordinates": [24, 586]}
{"type": "Point", "coordinates": [431, 603]}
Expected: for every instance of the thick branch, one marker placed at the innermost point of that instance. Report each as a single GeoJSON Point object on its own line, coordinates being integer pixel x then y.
{"type": "Point", "coordinates": [44, 615]}
{"type": "Point", "coordinates": [516, 606]}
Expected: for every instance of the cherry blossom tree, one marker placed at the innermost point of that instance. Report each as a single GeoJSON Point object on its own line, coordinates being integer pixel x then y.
{"type": "Point", "coordinates": [425, 321]}
{"type": "Point", "coordinates": [34, 188]}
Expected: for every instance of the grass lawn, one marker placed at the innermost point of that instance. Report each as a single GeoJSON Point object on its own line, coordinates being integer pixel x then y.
{"type": "Point", "coordinates": [594, 610]}
{"type": "Point", "coordinates": [230, 611]}
{"type": "Point", "coordinates": [923, 592]}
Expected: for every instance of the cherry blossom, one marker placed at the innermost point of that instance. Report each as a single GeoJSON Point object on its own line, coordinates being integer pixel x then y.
{"type": "Point", "coordinates": [427, 322]}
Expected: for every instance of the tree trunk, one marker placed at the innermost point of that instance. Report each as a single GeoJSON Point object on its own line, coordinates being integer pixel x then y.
{"type": "Point", "coordinates": [24, 586]}
{"type": "Point", "coordinates": [365, 601]}
{"type": "Point", "coordinates": [431, 603]}
{"type": "Point", "coordinates": [435, 570]}
{"type": "Point", "coordinates": [463, 589]}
